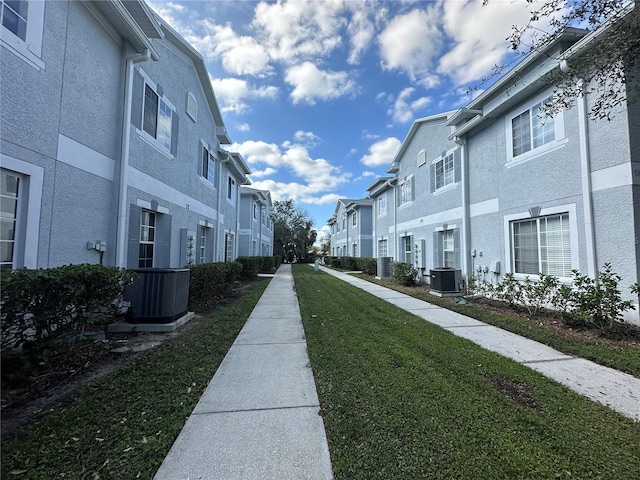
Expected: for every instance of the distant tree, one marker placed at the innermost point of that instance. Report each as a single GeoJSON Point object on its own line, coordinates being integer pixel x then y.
{"type": "Point", "coordinates": [293, 232]}
{"type": "Point", "coordinates": [608, 69]}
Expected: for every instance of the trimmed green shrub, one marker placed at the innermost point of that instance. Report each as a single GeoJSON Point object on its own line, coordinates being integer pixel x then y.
{"type": "Point", "coordinates": [40, 305]}
{"type": "Point", "coordinates": [268, 265]}
{"type": "Point", "coordinates": [251, 266]}
{"type": "Point", "coordinates": [369, 266]}
{"type": "Point", "coordinates": [211, 282]}
{"type": "Point", "coordinates": [404, 273]}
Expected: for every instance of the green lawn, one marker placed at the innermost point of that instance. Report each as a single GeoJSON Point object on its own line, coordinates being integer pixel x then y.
{"type": "Point", "coordinates": [592, 347]}
{"type": "Point", "coordinates": [123, 425]}
{"type": "Point", "coordinates": [404, 399]}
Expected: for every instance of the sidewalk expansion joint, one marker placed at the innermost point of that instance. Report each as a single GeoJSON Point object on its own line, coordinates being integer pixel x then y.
{"type": "Point", "coordinates": [550, 360]}
{"type": "Point", "coordinates": [269, 343]}
{"type": "Point", "coordinates": [265, 409]}
{"type": "Point", "coordinates": [466, 326]}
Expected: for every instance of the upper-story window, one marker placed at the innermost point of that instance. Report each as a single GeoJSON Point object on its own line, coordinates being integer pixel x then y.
{"type": "Point", "coordinates": [445, 170]}
{"type": "Point", "coordinates": [344, 221]}
{"type": "Point", "coordinates": [382, 204]}
{"type": "Point", "coordinates": [255, 211]}
{"type": "Point", "coordinates": [354, 219]}
{"type": "Point", "coordinates": [406, 191]}
{"type": "Point", "coordinates": [154, 114]}
{"type": "Point", "coordinates": [531, 131]}
{"type": "Point", "coordinates": [231, 189]}
{"type": "Point", "coordinates": [263, 217]}
{"type": "Point", "coordinates": [22, 26]}
{"type": "Point", "coordinates": [208, 165]}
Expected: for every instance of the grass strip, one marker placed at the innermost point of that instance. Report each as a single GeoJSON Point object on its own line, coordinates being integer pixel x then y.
{"type": "Point", "coordinates": [123, 425]}
{"type": "Point", "coordinates": [625, 359]}
{"type": "Point", "coordinates": [403, 398]}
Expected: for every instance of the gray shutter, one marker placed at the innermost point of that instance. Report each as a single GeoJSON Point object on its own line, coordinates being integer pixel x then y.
{"type": "Point", "coordinates": [413, 188]}
{"type": "Point", "coordinates": [456, 249]}
{"type": "Point", "coordinates": [159, 90]}
{"type": "Point", "coordinates": [133, 252]}
{"type": "Point", "coordinates": [174, 133]}
{"type": "Point", "coordinates": [184, 233]}
{"type": "Point", "coordinates": [432, 179]}
{"type": "Point", "coordinates": [137, 99]}
{"type": "Point", "coordinates": [437, 250]}
{"type": "Point", "coordinates": [457, 165]}
{"type": "Point", "coordinates": [208, 253]}
{"type": "Point", "coordinates": [162, 247]}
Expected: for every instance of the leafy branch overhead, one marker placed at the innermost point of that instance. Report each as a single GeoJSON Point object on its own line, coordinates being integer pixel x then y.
{"type": "Point", "coordinates": [606, 69]}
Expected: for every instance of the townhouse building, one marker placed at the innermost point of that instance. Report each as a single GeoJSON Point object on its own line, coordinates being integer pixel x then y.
{"type": "Point", "coordinates": [498, 187]}
{"type": "Point", "coordinates": [256, 226]}
{"type": "Point", "coordinates": [351, 228]}
{"type": "Point", "coordinates": [110, 141]}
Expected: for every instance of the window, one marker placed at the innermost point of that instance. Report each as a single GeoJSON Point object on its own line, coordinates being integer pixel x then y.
{"type": "Point", "coordinates": [354, 219]}
{"type": "Point", "coordinates": [255, 211]}
{"type": "Point", "coordinates": [532, 129]}
{"type": "Point", "coordinates": [263, 217]}
{"type": "Point", "coordinates": [14, 17]}
{"type": "Point", "coordinates": [208, 165]}
{"type": "Point", "coordinates": [231, 189]}
{"type": "Point", "coordinates": [448, 258]}
{"type": "Point", "coordinates": [406, 248]}
{"type": "Point", "coordinates": [228, 247]}
{"type": "Point", "coordinates": [10, 187]}
{"type": "Point", "coordinates": [147, 239]}
{"type": "Point", "coordinates": [344, 221]}
{"type": "Point", "coordinates": [202, 246]}
{"type": "Point", "coordinates": [382, 204]}
{"type": "Point", "coordinates": [383, 248]}
{"type": "Point", "coordinates": [354, 250]}
{"type": "Point", "coordinates": [253, 248]}
{"type": "Point", "coordinates": [444, 171]}
{"type": "Point", "coordinates": [406, 191]}
{"type": "Point", "coordinates": [152, 113]}
{"type": "Point", "coordinates": [542, 245]}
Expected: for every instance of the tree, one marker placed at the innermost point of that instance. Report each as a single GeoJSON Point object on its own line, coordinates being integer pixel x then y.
{"type": "Point", "coordinates": [607, 70]}
{"type": "Point", "coordinates": [292, 231]}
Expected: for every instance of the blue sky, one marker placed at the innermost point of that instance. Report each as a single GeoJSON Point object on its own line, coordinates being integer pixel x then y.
{"type": "Point", "coordinates": [318, 95]}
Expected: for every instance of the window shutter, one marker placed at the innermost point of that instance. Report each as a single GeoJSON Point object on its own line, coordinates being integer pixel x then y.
{"type": "Point", "coordinates": [137, 99]}
{"type": "Point", "coordinates": [432, 179]}
{"type": "Point", "coordinates": [457, 165]}
{"type": "Point", "coordinates": [133, 252]}
{"type": "Point", "coordinates": [174, 133]}
{"type": "Point", "coordinates": [437, 250]}
{"type": "Point", "coordinates": [160, 91]}
{"type": "Point", "coordinates": [208, 251]}
{"type": "Point", "coordinates": [456, 249]}
{"type": "Point", "coordinates": [413, 188]}
{"type": "Point", "coordinates": [162, 247]}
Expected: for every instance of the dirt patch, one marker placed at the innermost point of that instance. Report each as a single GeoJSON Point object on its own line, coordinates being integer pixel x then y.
{"type": "Point", "coordinates": [519, 392]}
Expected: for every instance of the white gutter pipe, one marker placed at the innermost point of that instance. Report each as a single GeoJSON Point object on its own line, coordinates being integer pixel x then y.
{"type": "Point", "coordinates": [124, 158]}
{"type": "Point", "coordinates": [466, 228]}
{"type": "Point", "coordinates": [587, 197]}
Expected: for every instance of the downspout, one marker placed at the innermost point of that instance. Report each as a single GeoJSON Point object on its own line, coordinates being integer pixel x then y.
{"type": "Point", "coordinates": [587, 197]}
{"type": "Point", "coordinates": [217, 236]}
{"type": "Point", "coordinates": [124, 157]}
{"type": "Point", "coordinates": [236, 236]}
{"type": "Point", "coordinates": [395, 221]}
{"type": "Point", "coordinates": [466, 220]}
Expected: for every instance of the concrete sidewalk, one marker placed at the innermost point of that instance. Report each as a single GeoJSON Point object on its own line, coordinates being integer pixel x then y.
{"type": "Point", "coordinates": [610, 387]}
{"type": "Point", "coordinates": [259, 418]}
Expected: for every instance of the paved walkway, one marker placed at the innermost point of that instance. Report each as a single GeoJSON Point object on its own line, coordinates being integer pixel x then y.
{"type": "Point", "coordinates": [610, 387]}
{"type": "Point", "coordinates": [259, 418]}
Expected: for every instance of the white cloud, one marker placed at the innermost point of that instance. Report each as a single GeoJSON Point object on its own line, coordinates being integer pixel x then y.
{"type": "Point", "coordinates": [411, 43]}
{"type": "Point", "coordinates": [243, 127]}
{"type": "Point", "coordinates": [361, 31]}
{"type": "Point", "coordinates": [294, 30]}
{"type": "Point", "coordinates": [404, 109]}
{"type": "Point", "coordinates": [479, 35]}
{"type": "Point", "coordinates": [365, 174]}
{"type": "Point", "coordinates": [382, 152]}
{"type": "Point", "coordinates": [310, 83]}
{"type": "Point", "coordinates": [308, 139]}
{"type": "Point", "coordinates": [263, 173]}
{"type": "Point", "coordinates": [232, 93]}
{"type": "Point", "coordinates": [312, 177]}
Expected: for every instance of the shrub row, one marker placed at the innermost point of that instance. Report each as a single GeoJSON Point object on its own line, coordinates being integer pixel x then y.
{"type": "Point", "coordinates": [211, 282]}
{"type": "Point", "coordinates": [40, 305]}
{"type": "Point", "coordinates": [587, 301]}
{"type": "Point", "coordinates": [251, 266]}
{"type": "Point", "coordinates": [366, 265]}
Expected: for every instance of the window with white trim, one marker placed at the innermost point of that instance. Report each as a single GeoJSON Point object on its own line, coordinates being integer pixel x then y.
{"type": "Point", "coordinates": [406, 248]}
{"type": "Point", "coordinates": [202, 246]}
{"type": "Point", "coordinates": [147, 239]}
{"type": "Point", "coordinates": [157, 117]}
{"type": "Point", "coordinates": [10, 189]}
{"type": "Point", "coordinates": [208, 165]}
{"type": "Point", "coordinates": [192, 106]}
{"type": "Point", "coordinates": [406, 191]}
{"type": "Point", "coordinates": [382, 204]}
{"type": "Point", "coordinates": [448, 250]}
{"type": "Point", "coordinates": [228, 247]}
{"type": "Point", "coordinates": [383, 247]}
{"type": "Point", "coordinates": [532, 129]}
{"type": "Point", "coordinates": [231, 189]}
{"type": "Point", "coordinates": [255, 211]}
{"type": "Point", "coordinates": [344, 221]}
{"type": "Point", "coordinates": [542, 245]}
{"type": "Point", "coordinates": [444, 171]}
{"type": "Point", "coordinates": [354, 219]}
{"type": "Point", "coordinates": [22, 27]}
{"type": "Point", "coordinates": [354, 250]}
